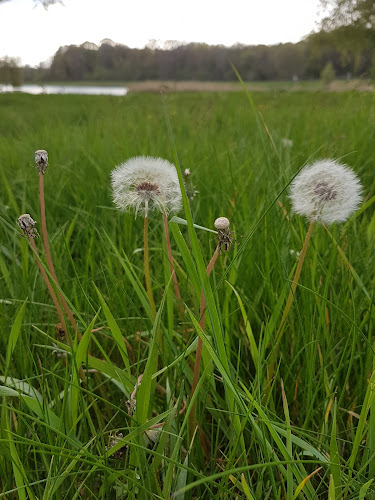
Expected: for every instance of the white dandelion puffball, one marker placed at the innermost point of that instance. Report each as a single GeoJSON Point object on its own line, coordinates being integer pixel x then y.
{"type": "Point", "coordinates": [326, 191]}
{"type": "Point", "coordinates": [144, 183]}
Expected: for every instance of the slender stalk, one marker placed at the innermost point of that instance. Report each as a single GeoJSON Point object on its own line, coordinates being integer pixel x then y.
{"type": "Point", "coordinates": [288, 305]}
{"type": "Point", "coordinates": [198, 354]}
{"type": "Point", "coordinates": [48, 285]}
{"type": "Point", "coordinates": [147, 268]}
{"type": "Point", "coordinates": [50, 266]}
{"type": "Point", "coordinates": [294, 284]}
{"type": "Point", "coordinates": [173, 272]}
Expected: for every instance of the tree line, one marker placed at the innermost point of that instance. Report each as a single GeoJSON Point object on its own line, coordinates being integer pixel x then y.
{"type": "Point", "coordinates": [344, 47]}
{"type": "Point", "coordinates": [197, 61]}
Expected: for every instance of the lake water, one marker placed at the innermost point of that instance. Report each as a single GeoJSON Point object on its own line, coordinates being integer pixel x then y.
{"type": "Point", "coordinates": [68, 89]}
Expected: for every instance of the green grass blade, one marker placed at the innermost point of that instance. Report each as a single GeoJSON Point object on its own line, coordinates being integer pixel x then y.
{"type": "Point", "coordinates": [115, 330]}
{"type": "Point", "coordinates": [14, 334]}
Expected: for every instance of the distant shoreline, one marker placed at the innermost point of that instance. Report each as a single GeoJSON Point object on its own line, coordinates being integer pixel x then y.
{"type": "Point", "coordinates": [197, 86]}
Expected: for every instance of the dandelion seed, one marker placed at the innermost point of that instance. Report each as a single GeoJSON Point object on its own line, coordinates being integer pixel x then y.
{"type": "Point", "coordinates": [326, 191]}
{"type": "Point", "coordinates": [286, 143]}
{"type": "Point", "coordinates": [144, 183]}
{"type": "Point", "coordinates": [191, 192]}
{"type": "Point", "coordinates": [152, 435]}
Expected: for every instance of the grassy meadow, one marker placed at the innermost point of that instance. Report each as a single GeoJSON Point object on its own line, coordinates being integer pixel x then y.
{"type": "Point", "coordinates": [279, 417]}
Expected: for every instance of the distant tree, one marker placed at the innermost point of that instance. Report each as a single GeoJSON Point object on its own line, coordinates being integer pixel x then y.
{"type": "Point", "coordinates": [328, 73]}
{"type": "Point", "coordinates": [359, 13]}
{"type": "Point", "coordinates": [10, 72]}
{"type": "Point", "coordinates": [199, 61]}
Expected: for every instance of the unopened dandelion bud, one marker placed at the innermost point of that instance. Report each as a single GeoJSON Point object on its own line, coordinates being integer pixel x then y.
{"type": "Point", "coordinates": [27, 225]}
{"type": "Point", "coordinates": [221, 223]}
{"type": "Point", "coordinates": [326, 191]}
{"type": "Point", "coordinates": [41, 160]}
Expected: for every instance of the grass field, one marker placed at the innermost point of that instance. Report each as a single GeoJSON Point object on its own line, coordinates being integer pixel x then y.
{"type": "Point", "coordinates": [297, 421]}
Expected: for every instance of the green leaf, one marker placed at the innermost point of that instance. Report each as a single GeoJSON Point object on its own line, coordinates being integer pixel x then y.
{"type": "Point", "coordinates": [135, 283]}
{"type": "Point", "coordinates": [115, 330]}
{"type": "Point", "coordinates": [14, 334]}
{"type": "Point", "coordinates": [144, 391]}
{"type": "Point", "coordinates": [334, 456]}
{"type": "Point", "coordinates": [331, 489]}
{"type": "Point", "coordinates": [364, 488]}
{"type": "Point", "coordinates": [249, 332]}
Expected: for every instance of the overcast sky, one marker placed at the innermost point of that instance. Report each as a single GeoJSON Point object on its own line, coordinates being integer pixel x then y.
{"type": "Point", "coordinates": [34, 34]}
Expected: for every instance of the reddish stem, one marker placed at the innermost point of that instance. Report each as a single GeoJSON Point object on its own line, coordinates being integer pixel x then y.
{"type": "Point", "coordinates": [147, 269]}
{"type": "Point", "coordinates": [48, 285]}
{"type": "Point", "coordinates": [198, 354]}
{"type": "Point", "coordinates": [173, 272]}
{"type": "Point", "coordinates": [289, 301]}
{"type": "Point", "coordinates": [50, 266]}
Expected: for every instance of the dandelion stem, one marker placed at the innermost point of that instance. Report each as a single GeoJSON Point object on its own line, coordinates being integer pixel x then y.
{"type": "Point", "coordinates": [289, 301]}
{"type": "Point", "coordinates": [173, 272]}
{"type": "Point", "coordinates": [198, 354]}
{"type": "Point", "coordinates": [294, 284]}
{"type": "Point", "coordinates": [147, 268]}
{"type": "Point", "coordinates": [50, 266]}
{"type": "Point", "coordinates": [48, 285]}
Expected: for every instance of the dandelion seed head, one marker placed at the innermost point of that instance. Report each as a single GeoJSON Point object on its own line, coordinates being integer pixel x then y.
{"type": "Point", "coordinates": [187, 172]}
{"type": "Point", "coordinates": [27, 225]}
{"type": "Point", "coordinates": [41, 160]}
{"type": "Point", "coordinates": [221, 223]}
{"type": "Point", "coordinates": [326, 191]}
{"type": "Point", "coordinates": [144, 183]}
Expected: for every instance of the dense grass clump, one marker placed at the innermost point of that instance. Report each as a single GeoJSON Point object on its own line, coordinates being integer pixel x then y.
{"type": "Point", "coordinates": [276, 418]}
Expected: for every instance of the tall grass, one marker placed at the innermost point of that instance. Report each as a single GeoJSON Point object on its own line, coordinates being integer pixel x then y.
{"type": "Point", "coordinates": [306, 432]}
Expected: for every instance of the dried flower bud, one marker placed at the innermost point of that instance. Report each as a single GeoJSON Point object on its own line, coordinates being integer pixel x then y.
{"type": "Point", "coordinates": [225, 237]}
{"type": "Point", "coordinates": [221, 223]}
{"type": "Point", "coordinates": [131, 405]}
{"type": "Point", "coordinates": [26, 224]}
{"type": "Point", "coordinates": [60, 330]}
{"type": "Point", "coordinates": [41, 160]}
{"type": "Point", "coordinates": [115, 439]}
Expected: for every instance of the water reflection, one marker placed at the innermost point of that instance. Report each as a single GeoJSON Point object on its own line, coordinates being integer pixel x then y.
{"type": "Point", "coordinates": [68, 89]}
